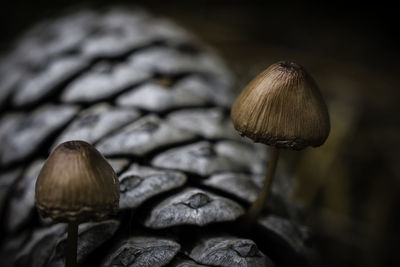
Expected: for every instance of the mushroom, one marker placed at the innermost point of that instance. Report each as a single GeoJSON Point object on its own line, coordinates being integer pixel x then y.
{"type": "Point", "coordinates": [76, 184]}
{"type": "Point", "coordinates": [281, 107]}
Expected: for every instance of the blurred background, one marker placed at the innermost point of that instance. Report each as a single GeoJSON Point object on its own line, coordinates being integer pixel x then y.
{"type": "Point", "coordinates": [351, 184]}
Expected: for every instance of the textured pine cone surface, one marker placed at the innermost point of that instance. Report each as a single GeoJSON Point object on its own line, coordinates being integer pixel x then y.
{"type": "Point", "coordinates": [155, 101]}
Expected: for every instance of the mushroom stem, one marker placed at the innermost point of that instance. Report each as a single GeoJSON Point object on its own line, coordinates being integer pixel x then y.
{"type": "Point", "coordinates": [70, 257]}
{"type": "Point", "coordinates": [257, 206]}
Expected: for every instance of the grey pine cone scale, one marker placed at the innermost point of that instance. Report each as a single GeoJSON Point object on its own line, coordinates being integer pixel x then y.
{"type": "Point", "coordinates": [155, 102]}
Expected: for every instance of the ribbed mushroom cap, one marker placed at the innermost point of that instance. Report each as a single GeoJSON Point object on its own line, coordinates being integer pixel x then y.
{"type": "Point", "coordinates": [76, 184]}
{"type": "Point", "coordinates": [282, 107]}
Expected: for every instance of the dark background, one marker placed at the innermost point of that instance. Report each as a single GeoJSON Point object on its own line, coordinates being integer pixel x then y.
{"type": "Point", "coordinates": [351, 184]}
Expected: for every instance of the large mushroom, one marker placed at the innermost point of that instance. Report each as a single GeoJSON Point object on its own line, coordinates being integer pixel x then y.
{"type": "Point", "coordinates": [76, 184]}
{"type": "Point", "coordinates": [281, 107]}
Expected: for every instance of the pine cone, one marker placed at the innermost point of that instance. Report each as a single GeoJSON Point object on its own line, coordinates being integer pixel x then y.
{"type": "Point", "coordinates": [155, 101]}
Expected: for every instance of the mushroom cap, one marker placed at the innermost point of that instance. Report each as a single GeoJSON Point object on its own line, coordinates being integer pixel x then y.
{"type": "Point", "coordinates": [76, 183]}
{"type": "Point", "coordinates": [282, 107]}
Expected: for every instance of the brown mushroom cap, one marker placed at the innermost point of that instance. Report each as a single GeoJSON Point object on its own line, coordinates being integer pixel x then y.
{"type": "Point", "coordinates": [76, 184]}
{"type": "Point", "coordinates": [282, 107]}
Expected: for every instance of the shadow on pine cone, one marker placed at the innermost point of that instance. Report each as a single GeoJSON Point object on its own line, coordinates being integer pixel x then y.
{"type": "Point", "coordinates": [155, 102]}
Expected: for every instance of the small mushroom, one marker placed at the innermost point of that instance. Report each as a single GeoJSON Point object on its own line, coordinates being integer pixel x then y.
{"type": "Point", "coordinates": [76, 184]}
{"type": "Point", "coordinates": [281, 107]}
